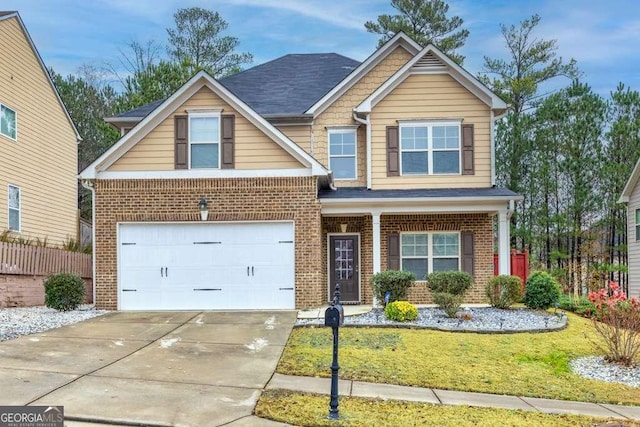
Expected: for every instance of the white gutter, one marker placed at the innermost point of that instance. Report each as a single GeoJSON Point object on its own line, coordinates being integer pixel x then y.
{"type": "Point", "coordinates": [408, 200]}
{"type": "Point", "coordinates": [89, 186]}
{"type": "Point", "coordinates": [367, 124]}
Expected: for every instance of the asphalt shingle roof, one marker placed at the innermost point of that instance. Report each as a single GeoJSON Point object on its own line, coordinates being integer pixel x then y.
{"type": "Point", "coordinates": [142, 111]}
{"type": "Point", "coordinates": [363, 193]}
{"type": "Point", "coordinates": [290, 84]}
{"type": "Point", "coordinates": [286, 86]}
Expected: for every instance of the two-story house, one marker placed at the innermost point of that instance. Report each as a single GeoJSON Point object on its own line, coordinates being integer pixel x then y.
{"type": "Point", "coordinates": [267, 188]}
{"type": "Point", "coordinates": [38, 144]}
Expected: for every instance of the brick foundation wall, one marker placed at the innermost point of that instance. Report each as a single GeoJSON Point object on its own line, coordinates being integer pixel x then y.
{"type": "Point", "coordinates": [355, 225]}
{"type": "Point", "coordinates": [480, 224]}
{"type": "Point", "coordinates": [28, 291]}
{"type": "Point", "coordinates": [230, 199]}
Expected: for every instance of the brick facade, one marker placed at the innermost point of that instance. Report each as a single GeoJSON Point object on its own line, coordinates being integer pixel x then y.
{"type": "Point", "coordinates": [481, 224]}
{"type": "Point", "coordinates": [230, 199]}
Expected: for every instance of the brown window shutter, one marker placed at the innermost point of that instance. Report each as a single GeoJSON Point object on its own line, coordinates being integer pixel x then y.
{"type": "Point", "coordinates": [182, 143]}
{"type": "Point", "coordinates": [467, 252]}
{"type": "Point", "coordinates": [467, 150]}
{"type": "Point", "coordinates": [393, 151]}
{"type": "Point", "coordinates": [228, 132]}
{"type": "Point", "coordinates": [393, 251]}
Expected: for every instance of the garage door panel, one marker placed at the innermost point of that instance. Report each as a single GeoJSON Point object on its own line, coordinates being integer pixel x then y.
{"type": "Point", "coordinates": [207, 266]}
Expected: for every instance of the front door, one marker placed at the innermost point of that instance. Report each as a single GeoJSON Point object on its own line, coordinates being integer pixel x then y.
{"type": "Point", "coordinates": [344, 267]}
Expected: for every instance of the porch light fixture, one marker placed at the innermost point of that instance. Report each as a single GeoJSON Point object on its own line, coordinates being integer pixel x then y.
{"type": "Point", "coordinates": [204, 212]}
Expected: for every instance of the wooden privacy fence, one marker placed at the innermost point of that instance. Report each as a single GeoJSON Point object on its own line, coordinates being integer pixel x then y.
{"type": "Point", "coordinates": [39, 261]}
{"type": "Point", "coordinates": [519, 265]}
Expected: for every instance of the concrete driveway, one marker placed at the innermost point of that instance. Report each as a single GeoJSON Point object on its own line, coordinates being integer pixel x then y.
{"type": "Point", "coordinates": [157, 368]}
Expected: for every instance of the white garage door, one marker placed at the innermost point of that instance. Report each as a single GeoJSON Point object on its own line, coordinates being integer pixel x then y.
{"type": "Point", "coordinates": [206, 266]}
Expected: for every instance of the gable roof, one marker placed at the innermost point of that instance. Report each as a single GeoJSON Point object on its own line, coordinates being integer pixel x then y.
{"type": "Point", "coordinates": [14, 14]}
{"type": "Point", "coordinates": [289, 85]}
{"type": "Point", "coordinates": [152, 120]}
{"type": "Point", "coordinates": [400, 39]}
{"type": "Point", "coordinates": [285, 87]}
{"type": "Point", "coordinates": [296, 85]}
{"type": "Point", "coordinates": [431, 60]}
{"type": "Point", "coordinates": [631, 184]}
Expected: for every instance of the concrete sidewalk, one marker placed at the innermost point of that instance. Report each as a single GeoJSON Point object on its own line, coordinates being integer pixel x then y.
{"type": "Point", "coordinates": [447, 397]}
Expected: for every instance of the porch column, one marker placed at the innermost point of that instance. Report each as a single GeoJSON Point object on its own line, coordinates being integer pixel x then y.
{"type": "Point", "coordinates": [375, 216]}
{"type": "Point", "coordinates": [504, 254]}
{"type": "Point", "coordinates": [376, 242]}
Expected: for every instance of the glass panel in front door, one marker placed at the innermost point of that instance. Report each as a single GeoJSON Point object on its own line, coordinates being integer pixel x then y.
{"type": "Point", "coordinates": [344, 265]}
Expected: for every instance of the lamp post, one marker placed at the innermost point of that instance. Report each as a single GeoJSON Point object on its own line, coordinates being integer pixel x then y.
{"type": "Point", "coordinates": [334, 317]}
{"type": "Point", "coordinates": [202, 206]}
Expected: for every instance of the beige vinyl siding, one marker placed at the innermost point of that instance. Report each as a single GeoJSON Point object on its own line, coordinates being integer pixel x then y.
{"type": "Point", "coordinates": [633, 246]}
{"type": "Point", "coordinates": [253, 149]}
{"type": "Point", "coordinates": [43, 159]}
{"type": "Point", "coordinates": [431, 97]}
{"type": "Point", "coordinates": [300, 134]}
{"type": "Point", "coordinates": [340, 113]}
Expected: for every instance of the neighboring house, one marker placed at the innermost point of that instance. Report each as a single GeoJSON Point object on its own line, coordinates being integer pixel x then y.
{"type": "Point", "coordinates": [38, 144]}
{"type": "Point", "coordinates": [631, 196]}
{"type": "Point", "coordinates": [316, 170]}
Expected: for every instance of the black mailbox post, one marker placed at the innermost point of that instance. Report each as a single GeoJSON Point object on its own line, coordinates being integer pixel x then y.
{"type": "Point", "coordinates": [334, 317]}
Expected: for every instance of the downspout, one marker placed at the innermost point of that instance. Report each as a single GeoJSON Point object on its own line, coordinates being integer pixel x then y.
{"type": "Point", "coordinates": [89, 186]}
{"type": "Point", "coordinates": [511, 209]}
{"type": "Point", "coordinates": [367, 124]}
{"type": "Point", "coordinates": [493, 149]}
{"type": "Point", "coordinates": [311, 144]}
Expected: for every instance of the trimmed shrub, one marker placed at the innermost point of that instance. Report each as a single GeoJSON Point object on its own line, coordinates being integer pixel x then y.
{"type": "Point", "coordinates": [448, 288]}
{"type": "Point", "coordinates": [451, 282]}
{"type": "Point", "coordinates": [448, 302]}
{"type": "Point", "coordinates": [63, 292]}
{"type": "Point", "coordinates": [395, 281]}
{"type": "Point", "coordinates": [401, 311]}
{"type": "Point", "coordinates": [541, 291]}
{"type": "Point", "coordinates": [503, 291]}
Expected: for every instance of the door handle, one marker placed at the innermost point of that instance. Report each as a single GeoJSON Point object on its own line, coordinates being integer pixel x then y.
{"type": "Point", "coordinates": [161, 273]}
{"type": "Point", "coordinates": [166, 272]}
{"type": "Point", "coordinates": [252, 270]}
{"type": "Point", "coordinates": [247, 270]}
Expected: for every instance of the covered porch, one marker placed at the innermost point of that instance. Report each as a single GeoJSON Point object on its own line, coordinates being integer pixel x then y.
{"type": "Point", "coordinates": [368, 231]}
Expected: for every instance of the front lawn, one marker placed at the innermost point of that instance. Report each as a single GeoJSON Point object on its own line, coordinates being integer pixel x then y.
{"type": "Point", "coordinates": [311, 410]}
{"type": "Point", "coordinates": [525, 364]}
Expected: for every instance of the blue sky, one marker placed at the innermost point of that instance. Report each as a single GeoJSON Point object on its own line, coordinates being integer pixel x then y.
{"type": "Point", "coordinates": [603, 36]}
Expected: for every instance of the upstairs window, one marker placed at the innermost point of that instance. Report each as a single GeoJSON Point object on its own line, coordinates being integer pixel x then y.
{"type": "Point", "coordinates": [430, 148]}
{"type": "Point", "coordinates": [342, 153]}
{"type": "Point", "coordinates": [637, 225]}
{"type": "Point", "coordinates": [8, 122]}
{"type": "Point", "coordinates": [14, 208]}
{"type": "Point", "coordinates": [204, 141]}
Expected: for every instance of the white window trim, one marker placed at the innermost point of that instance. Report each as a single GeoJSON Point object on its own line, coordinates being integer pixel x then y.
{"type": "Point", "coordinates": [9, 208]}
{"type": "Point", "coordinates": [207, 114]}
{"type": "Point", "coordinates": [430, 125]}
{"type": "Point", "coordinates": [430, 256]}
{"type": "Point", "coordinates": [15, 112]}
{"type": "Point", "coordinates": [343, 130]}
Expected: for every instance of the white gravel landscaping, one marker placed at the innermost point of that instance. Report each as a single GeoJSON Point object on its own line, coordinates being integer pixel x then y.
{"type": "Point", "coordinates": [18, 321]}
{"type": "Point", "coordinates": [481, 319]}
{"type": "Point", "coordinates": [596, 368]}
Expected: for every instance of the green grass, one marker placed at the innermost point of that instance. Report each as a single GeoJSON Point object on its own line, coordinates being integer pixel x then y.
{"type": "Point", "coordinates": [303, 409]}
{"type": "Point", "coordinates": [526, 364]}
